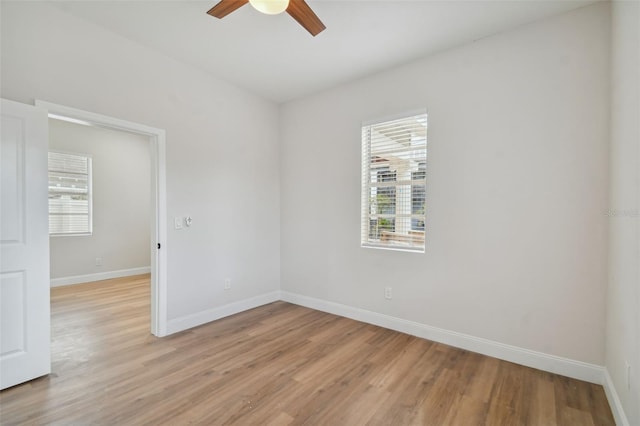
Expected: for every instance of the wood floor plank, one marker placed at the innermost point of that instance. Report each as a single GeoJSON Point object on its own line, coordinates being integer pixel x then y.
{"type": "Point", "coordinates": [279, 364]}
{"type": "Point", "coordinates": [544, 409]}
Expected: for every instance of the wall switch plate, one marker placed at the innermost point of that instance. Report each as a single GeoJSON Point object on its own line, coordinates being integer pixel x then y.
{"type": "Point", "coordinates": [177, 223]}
{"type": "Point", "coordinates": [388, 293]}
{"type": "Point", "coordinates": [227, 284]}
{"type": "Point", "coordinates": [98, 261]}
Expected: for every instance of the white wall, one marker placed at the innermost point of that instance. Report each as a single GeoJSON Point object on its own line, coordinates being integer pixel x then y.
{"type": "Point", "coordinates": [121, 202]}
{"type": "Point", "coordinates": [623, 296]}
{"type": "Point", "coordinates": [516, 189]}
{"type": "Point", "coordinates": [221, 171]}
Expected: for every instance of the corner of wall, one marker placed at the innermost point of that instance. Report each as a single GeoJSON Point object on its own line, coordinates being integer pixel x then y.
{"type": "Point", "coordinates": [614, 400]}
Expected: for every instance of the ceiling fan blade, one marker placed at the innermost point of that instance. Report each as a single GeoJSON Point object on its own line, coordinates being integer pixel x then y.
{"type": "Point", "coordinates": [225, 7]}
{"type": "Point", "coordinates": [301, 12]}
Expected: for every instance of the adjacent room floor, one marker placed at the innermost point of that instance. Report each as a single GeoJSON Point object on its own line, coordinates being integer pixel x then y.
{"type": "Point", "coordinates": [278, 364]}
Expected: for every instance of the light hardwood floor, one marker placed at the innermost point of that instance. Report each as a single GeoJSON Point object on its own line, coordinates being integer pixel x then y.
{"type": "Point", "coordinates": [279, 364]}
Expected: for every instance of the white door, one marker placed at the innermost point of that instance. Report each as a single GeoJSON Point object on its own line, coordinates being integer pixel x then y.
{"type": "Point", "coordinates": [24, 245]}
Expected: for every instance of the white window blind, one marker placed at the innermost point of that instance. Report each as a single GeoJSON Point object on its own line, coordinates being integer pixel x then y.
{"type": "Point", "coordinates": [394, 159]}
{"type": "Point", "coordinates": [69, 194]}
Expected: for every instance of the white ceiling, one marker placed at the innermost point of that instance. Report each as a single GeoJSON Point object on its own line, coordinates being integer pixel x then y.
{"type": "Point", "coordinates": [276, 58]}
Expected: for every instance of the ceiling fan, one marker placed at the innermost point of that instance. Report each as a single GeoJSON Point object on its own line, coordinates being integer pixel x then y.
{"type": "Point", "coordinates": [298, 9]}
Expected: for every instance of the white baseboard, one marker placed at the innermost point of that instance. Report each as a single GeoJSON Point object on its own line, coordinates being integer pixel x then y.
{"type": "Point", "coordinates": [554, 364]}
{"type": "Point", "coordinates": [99, 276]}
{"type": "Point", "coordinates": [614, 401]}
{"type": "Point", "coordinates": [199, 318]}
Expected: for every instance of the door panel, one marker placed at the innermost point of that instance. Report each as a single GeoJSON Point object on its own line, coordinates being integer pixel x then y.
{"type": "Point", "coordinates": [12, 183]}
{"type": "Point", "coordinates": [24, 245]}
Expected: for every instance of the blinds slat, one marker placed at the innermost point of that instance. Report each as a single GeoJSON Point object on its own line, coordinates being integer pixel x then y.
{"type": "Point", "coordinates": [387, 216]}
{"type": "Point", "coordinates": [386, 184]}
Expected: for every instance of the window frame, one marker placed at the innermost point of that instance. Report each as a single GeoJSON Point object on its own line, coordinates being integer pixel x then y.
{"type": "Point", "coordinates": [412, 244]}
{"type": "Point", "coordinates": [89, 159]}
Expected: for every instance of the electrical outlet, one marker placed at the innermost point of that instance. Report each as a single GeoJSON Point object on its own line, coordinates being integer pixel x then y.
{"type": "Point", "coordinates": [227, 284]}
{"type": "Point", "coordinates": [387, 293]}
{"type": "Point", "coordinates": [627, 369]}
{"type": "Point", "coordinates": [98, 261]}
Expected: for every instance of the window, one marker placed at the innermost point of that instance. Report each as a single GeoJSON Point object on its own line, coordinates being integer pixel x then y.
{"type": "Point", "coordinates": [69, 194]}
{"type": "Point", "coordinates": [394, 165]}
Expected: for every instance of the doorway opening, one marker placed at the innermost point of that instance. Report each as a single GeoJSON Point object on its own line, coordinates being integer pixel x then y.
{"type": "Point", "coordinates": [157, 217]}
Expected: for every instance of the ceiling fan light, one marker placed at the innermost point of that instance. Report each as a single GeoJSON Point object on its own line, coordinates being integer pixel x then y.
{"type": "Point", "coordinates": [270, 7]}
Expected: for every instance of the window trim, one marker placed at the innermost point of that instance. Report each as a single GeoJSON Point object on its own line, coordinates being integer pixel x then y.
{"type": "Point", "coordinates": [365, 185]}
{"type": "Point", "coordinates": [89, 158]}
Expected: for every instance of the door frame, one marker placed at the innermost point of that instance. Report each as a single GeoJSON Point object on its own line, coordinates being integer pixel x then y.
{"type": "Point", "coordinates": [158, 199]}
